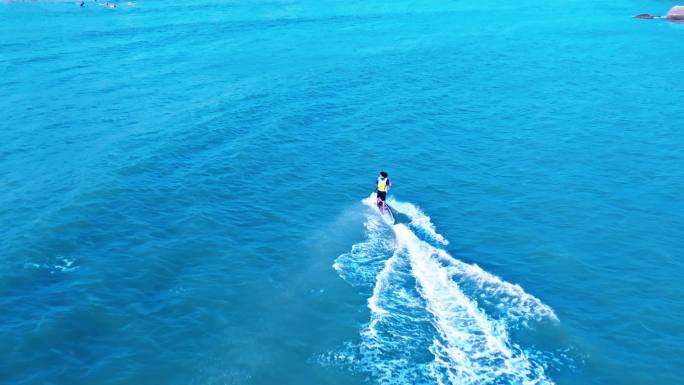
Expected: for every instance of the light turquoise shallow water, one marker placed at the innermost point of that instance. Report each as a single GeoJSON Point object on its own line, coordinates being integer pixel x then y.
{"type": "Point", "coordinates": [183, 185]}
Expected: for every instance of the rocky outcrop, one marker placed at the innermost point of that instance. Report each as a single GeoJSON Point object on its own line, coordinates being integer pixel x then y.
{"type": "Point", "coordinates": [676, 13]}
{"type": "Point", "coordinates": [646, 16]}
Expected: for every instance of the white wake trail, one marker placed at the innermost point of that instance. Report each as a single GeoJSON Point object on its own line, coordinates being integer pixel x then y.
{"type": "Point", "coordinates": [508, 298]}
{"type": "Point", "coordinates": [472, 348]}
{"type": "Point", "coordinates": [419, 220]}
{"type": "Point", "coordinates": [362, 264]}
{"type": "Point", "coordinates": [433, 318]}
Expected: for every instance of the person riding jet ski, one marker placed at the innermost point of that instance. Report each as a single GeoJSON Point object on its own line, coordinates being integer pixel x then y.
{"type": "Point", "coordinates": [383, 184]}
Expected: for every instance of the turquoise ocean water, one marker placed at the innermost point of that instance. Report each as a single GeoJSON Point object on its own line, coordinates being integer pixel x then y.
{"type": "Point", "coordinates": [183, 189]}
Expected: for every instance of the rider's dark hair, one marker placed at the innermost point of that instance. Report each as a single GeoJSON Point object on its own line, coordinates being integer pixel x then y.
{"type": "Point", "coordinates": [384, 174]}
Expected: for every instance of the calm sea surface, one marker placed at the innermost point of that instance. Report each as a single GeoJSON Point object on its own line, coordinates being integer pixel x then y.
{"type": "Point", "coordinates": [184, 193]}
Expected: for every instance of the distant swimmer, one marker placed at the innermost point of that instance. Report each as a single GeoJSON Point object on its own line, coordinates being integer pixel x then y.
{"type": "Point", "coordinates": [82, 3]}
{"type": "Point", "coordinates": [383, 184]}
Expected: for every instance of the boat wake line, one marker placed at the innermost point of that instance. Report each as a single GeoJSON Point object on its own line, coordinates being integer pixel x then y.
{"type": "Point", "coordinates": [433, 318]}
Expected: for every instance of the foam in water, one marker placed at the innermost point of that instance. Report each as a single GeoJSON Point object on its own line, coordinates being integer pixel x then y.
{"type": "Point", "coordinates": [424, 326]}
{"type": "Point", "coordinates": [502, 295]}
{"type": "Point", "coordinates": [57, 264]}
{"type": "Point", "coordinates": [360, 266]}
{"type": "Point", "coordinates": [471, 348]}
{"type": "Point", "coordinates": [419, 220]}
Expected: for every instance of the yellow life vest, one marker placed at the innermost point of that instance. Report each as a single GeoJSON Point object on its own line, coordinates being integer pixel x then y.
{"type": "Point", "coordinates": [382, 184]}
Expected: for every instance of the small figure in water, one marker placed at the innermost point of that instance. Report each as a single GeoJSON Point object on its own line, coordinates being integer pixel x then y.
{"type": "Point", "coordinates": [383, 184]}
{"type": "Point", "coordinates": [82, 3]}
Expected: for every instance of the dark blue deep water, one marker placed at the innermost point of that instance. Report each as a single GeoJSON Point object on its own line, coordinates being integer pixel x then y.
{"type": "Point", "coordinates": [183, 184]}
